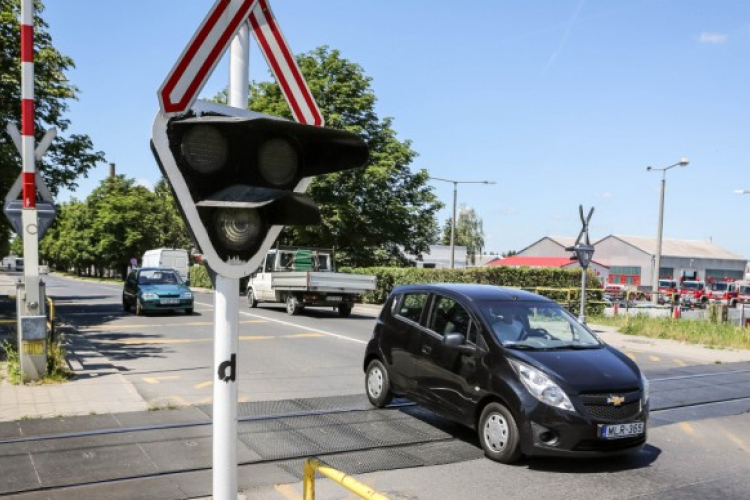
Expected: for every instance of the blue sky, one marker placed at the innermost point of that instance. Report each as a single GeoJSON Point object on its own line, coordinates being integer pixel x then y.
{"type": "Point", "coordinates": [560, 102]}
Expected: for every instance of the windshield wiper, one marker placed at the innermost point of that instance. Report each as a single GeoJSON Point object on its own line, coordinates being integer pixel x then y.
{"type": "Point", "coordinates": [522, 347]}
{"type": "Point", "coordinates": [582, 346]}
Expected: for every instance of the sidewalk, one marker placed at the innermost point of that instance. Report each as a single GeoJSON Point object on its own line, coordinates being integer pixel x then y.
{"type": "Point", "coordinates": [96, 388]}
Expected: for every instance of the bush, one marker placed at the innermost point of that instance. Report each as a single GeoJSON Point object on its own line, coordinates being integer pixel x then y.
{"type": "Point", "coordinates": [199, 276]}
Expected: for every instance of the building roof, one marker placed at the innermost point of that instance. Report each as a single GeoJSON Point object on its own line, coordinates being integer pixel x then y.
{"type": "Point", "coordinates": [520, 260]}
{"type": "Point", "coordinates": [678, 248]}
{"type": "Point", "coordinates": [563, 241]}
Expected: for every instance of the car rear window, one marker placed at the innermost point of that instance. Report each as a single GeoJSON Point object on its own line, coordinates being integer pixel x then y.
{"type": "Point", "coordinates": [411, 305]}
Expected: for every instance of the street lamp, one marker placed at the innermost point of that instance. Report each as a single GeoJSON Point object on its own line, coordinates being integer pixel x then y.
{"type": "Point", "coordinates": [655, 278]}
{"type": "Point", "coordinates": [453, 220]}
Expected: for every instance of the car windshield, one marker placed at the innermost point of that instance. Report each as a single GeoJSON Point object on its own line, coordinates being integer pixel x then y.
{"type": "Point", "coordinates": [536, 325]}
{"type": "Point", "coordinates": [745, 290]}
{"type": "Point", "coordinates": [158, 277]}
{"type": "Point", "coordinates": [691, 285]}
{"type": "Point", "coordinates": [667, 284]}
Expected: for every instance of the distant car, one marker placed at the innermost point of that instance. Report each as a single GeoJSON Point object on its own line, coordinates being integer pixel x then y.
{"type": "Point", "coordinates": [156, 289]}
{"type": "Point", "coordinates": [515, 366]}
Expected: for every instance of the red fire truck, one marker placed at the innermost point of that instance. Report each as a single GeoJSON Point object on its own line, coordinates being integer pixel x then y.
{"type": "Point", "coordinates": [693, 293]}
{"type": "Point", "coordinates": [724, 292]}
{"type": "Point", "coordinates": [667, 289]}
{"type": "Point", "coordinates": [743, 293]}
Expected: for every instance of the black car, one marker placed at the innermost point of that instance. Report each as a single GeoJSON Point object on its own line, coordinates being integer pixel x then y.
{"type": "Point", "coordinates": [515, 366]}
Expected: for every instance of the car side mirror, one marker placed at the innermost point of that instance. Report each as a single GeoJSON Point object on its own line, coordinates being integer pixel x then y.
{"type": "Point", "coordinates": [187, 282]}
{"type": "Point", "coordinates": [458, 342]}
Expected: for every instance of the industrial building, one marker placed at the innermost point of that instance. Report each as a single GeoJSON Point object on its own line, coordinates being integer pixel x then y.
{"type": "Point", "coordinates": [601, 271]}
{"type": "Point", "coordinates": [631, 259]}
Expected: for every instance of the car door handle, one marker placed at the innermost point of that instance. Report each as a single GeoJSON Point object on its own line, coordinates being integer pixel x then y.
{"type": "Point", "coordinates": [426, 349]}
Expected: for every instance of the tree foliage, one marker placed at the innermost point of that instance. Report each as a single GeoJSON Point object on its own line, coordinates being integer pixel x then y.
{"type": "Point", "coordinates": [370, 215]}
{"type": "Point", "coordinates": [469, 232]}
{"type": "Point", "coordinates": [71, 155]}
{"type": "Point", "coordinates": [119, 221]}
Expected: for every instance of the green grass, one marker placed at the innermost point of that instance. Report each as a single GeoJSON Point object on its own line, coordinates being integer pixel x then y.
{"type": "Point", "coordinates": [714, 335]}
{"type": "Point", "coordinates": [57, 368]}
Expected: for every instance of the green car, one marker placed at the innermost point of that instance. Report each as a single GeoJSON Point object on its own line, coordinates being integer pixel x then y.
{"type": "Point", "coordinates": [153, 289]}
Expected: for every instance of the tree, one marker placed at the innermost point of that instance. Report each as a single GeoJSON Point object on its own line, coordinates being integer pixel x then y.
{"type": "Point", "coordinates": [370, 215]}
{"type": "Point", "coordinates": [171, 231]}
{"type": "Point", "coordinates": [70, 156]}
{"type": "Point", "coordinates": [469, 232]}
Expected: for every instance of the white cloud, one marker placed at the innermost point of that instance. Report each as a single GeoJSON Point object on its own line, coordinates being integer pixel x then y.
{"type": "Point", "coordinates": [708, 37]}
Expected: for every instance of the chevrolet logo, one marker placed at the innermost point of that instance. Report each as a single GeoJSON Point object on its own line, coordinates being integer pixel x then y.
{"type": "Point", "coordinates": [615, 400]}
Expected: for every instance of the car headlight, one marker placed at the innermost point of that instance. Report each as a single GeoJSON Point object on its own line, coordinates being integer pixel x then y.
{"type": "Point", "coordinates": [186, 295]}
{"type": "Point", "coordinates": [646, 388]}
{"type": "Point", "coordinates": [542, 387]}
{"type": "Point", "coordinates": [149, 296]}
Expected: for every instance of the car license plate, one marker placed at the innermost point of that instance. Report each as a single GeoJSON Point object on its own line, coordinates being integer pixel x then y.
{"type": "Point", "coordinates": [618, 431]}
{"type": "Point", "coordinates": [333, 298]}
{"type": "Point", "coordinates": [170, 301]}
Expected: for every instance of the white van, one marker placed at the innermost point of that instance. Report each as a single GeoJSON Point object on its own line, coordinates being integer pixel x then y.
{"type": "Point", "coordinates": [174, 258]}
{"type": "Point", "coordinates": [13, 263]}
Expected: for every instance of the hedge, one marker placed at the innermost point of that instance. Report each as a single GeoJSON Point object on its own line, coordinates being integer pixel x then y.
{"type": "Point", "coordinates": [561, 285]}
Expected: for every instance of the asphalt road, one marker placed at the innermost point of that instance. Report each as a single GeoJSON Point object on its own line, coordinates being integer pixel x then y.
{"type": "Point", "coordinates": [699, 444]}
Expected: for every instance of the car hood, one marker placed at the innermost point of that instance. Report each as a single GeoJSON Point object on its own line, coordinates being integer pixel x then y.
{"type": "Point", "coordinates": [586, 370]}
{"type": "Point", "coordinates": [164, 289]}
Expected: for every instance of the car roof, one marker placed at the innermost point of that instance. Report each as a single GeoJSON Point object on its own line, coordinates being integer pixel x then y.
{"type": "Point", "coordinates": [155, 269]}
{"type": "Point", "coordinates": [474, 292]}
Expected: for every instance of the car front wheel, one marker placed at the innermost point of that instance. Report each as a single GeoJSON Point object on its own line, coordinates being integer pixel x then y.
{"type": "Point", "coordinates": [377, 384]}
{"type": "Point", "coordinates": [293, 306]}
{"type": "Point", "coordinates": [251, 301]}
{"type": "Point", "coordinates": [499, 434]}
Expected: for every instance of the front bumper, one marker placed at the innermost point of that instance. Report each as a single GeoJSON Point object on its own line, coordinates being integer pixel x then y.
{"type": "Point", "coordinates": [553, 432]}
{"type": "Point", "coordinates": [152, 305]}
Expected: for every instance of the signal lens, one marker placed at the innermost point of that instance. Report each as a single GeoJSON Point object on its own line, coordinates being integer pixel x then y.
{"type": "Point", "coordinates": [238, 229]}
{"type": "Point", "coordinates": [204, 148]}
{"type": "Point", "coordinates": [277, 162]}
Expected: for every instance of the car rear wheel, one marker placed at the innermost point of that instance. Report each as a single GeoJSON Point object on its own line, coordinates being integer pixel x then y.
{"type": "Point", "coordinates": [499, 434]}
{"type": "Point", "coordinates": [377, 384]}
{"type": "Point", "coordinates": [345, 310]}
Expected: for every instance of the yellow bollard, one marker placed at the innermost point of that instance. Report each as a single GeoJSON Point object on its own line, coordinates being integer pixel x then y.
{"type": "Point", "coordinates": [335, 475]}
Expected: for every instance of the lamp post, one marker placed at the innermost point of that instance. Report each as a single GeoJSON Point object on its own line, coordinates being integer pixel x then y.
{"type": "Point", "coordinates": [655, 278]}
{"type": "Point", "coordinates": [453, 219]}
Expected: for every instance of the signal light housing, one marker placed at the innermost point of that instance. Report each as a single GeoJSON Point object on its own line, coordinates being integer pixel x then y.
{"type": "Point", "coordinates": [240, 176]}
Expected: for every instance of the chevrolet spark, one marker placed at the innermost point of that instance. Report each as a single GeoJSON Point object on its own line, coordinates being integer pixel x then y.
{"type": "Point", "coordinates": [515, 366]}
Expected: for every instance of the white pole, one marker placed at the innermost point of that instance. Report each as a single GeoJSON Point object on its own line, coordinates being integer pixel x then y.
{"type": "Point", "coordinates": [226, 344]}
{"type": "Point", "coordinates": [226, 320]}
{"type": "Point", "coordinates": [239, 68]}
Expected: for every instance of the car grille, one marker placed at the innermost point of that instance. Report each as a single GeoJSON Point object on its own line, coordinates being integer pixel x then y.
{"type": "Point", "coordinates": [600, 409]}
{"type": "Point", "coordinates": [613, 445]}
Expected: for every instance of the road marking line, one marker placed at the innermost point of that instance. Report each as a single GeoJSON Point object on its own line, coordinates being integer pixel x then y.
{"type": "Point", "coordinates": [172, 325]}
{"type": "Point", "coordinates": [287, 323]}
{"type": "Point", "coordinates": [155, 380]}
{"type": "Point", "coordinates": [323, 332]}
{"type": "Point", "coordinates": [687, 428]}
{"type": "Point", "coordinates": [736, 441]}
{"type": "Point", "coordinates": [193, 341]}
{"type": "Point", "coordinates": [203, 384]}
{"type": "Point", "coordinates": [654, 358]}
{"type": "Point", "coordinates": [287, 491]}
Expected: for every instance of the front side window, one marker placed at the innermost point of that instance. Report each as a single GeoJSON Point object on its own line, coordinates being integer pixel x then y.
{"type": "Point", "coordinates": [536, 325]}
{"type": "Point", "coordinates": [410, 306]}
{"type": "Point", "coordinates": [448, 316]}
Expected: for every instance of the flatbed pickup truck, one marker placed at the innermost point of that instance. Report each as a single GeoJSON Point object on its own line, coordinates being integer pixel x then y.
{"type": "Point", "coordinates": [305, 278]}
